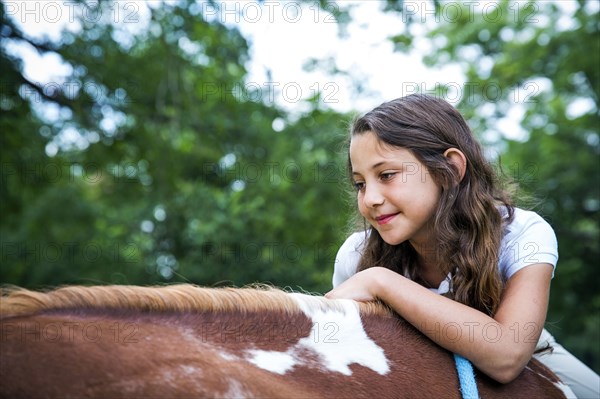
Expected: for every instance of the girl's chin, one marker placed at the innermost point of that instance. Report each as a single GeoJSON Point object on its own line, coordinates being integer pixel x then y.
{"type": "Point", "coordinates": [391, 240]}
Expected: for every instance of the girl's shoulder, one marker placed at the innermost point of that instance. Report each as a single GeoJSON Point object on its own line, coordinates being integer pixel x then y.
{"type": "Point", "coordinates": [528, 239]}
{"type": "Point", "coordinates": [523, 221]}
{"type": "Point", "coordinates": [348, 256]}
{"type": "Point", "coordinates": [356, 241]}
{"type": "Point", "coordinates": [352, 249]}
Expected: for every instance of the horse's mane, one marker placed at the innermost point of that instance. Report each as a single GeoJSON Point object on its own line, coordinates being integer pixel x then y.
{"type": "Point", "coordinates": [16, 301]}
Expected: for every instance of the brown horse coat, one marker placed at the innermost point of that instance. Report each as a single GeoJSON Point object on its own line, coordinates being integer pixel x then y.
{"type": "Point", "coordinates": [187, 341]}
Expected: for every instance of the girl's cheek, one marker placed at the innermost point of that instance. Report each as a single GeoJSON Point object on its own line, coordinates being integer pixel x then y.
{"type": "Point", "coordinates": [361, 207]}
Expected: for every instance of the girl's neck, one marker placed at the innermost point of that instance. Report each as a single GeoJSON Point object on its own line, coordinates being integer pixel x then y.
{"type": "Point", "coordinates": [430, 271]}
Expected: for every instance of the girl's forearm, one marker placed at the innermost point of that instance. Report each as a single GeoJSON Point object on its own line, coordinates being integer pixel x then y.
{"type": "Point", "coordinates": [499, 350]}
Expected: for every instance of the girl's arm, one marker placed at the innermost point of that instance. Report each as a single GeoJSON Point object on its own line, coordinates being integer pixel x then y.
{"type": "Point", "coordinates": [500, 347]}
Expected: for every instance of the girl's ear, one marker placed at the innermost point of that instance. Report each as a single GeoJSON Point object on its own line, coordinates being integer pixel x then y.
{"type": "Point", "coordinates": [458, 159]}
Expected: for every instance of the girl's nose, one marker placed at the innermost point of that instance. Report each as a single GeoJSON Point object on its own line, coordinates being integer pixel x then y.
{"type": "Point", "coordinates": [373, 197]}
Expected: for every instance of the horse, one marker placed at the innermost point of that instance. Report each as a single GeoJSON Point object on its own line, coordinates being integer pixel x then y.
{"type": "Point", "coordinates": [182, 341]}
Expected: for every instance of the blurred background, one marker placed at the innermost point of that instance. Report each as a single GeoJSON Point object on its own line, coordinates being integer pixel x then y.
{"type": "Point", "coordinates": [203, 142]}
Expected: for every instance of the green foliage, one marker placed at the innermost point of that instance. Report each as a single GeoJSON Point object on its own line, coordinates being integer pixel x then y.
{"type": "Point", "coordinates": [190, 183]}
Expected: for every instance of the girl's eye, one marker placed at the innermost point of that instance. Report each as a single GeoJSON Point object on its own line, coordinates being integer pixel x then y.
{"type": "Point", "coordinates": [387, 176]}
{"type": "Point", "coordinates": [359, 186]}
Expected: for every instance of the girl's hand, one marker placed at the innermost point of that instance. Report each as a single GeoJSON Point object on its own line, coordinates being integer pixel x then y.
{"type": "Point", "coordinates": [364, 286]}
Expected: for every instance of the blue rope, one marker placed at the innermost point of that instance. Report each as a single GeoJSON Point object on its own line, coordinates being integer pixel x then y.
{"type": "Point", "coordinates": [466, 376]}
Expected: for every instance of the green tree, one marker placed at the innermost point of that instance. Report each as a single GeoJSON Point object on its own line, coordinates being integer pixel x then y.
{"type": "Point", "coordinates": [177, 173]}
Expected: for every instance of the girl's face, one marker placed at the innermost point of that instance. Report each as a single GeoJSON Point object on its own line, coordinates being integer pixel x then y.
{"type": "Point", "coordinates": [396, 193]}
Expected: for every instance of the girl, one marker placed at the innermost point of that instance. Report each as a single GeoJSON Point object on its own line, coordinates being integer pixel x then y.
{"type": "Point", "coordinates": [440, 224]}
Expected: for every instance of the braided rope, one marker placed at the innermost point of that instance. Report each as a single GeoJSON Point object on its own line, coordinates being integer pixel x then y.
{"type": "Point", "coordinates": [466, 376]}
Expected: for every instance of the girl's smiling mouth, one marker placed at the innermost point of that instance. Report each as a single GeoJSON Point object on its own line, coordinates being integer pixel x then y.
{"type": "Point", "coordinates": [384, 219]}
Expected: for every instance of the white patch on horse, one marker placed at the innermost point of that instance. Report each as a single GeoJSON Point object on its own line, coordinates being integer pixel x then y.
{"type": "Point", "coordinates": [235, 390]}
{"type": "Point", "coordinates": [166, 377]}
{"type": "Point", "coordinates": [273, 361]}
{"type": "Point", "coordinates": [566, 390]}
{"type": "Point", "coordinates": [337, 338]}
{"type": "Point", "coordinates": [228, 356]}
{"type": "Point", "coordinates": [191, 370]}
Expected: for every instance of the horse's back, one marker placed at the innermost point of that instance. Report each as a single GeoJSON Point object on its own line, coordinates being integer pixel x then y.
{"type": "Point", "coordinates": [321, 349]}
{"type": "Point", "coordinates": [431, 370]}
{"type": "Point", "coordinates": [63, 355]}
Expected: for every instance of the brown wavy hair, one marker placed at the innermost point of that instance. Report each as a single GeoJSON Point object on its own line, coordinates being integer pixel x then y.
{"type": "Point", "coordinates": [469, 219]}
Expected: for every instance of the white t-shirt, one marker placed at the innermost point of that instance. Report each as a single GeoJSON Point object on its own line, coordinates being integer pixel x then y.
{"type": "Point", "coordinates": [527, 240]}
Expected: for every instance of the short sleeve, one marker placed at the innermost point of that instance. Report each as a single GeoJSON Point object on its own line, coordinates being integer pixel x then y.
{"type": "Point", "coordinates": [348, 257]}
{"type": "Point", "coordinates": [528, 240]}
